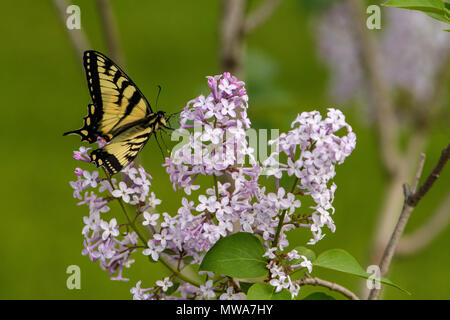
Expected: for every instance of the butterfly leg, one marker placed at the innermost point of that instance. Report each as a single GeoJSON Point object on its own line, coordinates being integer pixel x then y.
{"type": "Point", "coordinates": [162, 139]}
{"type": "Point", "coordinates": [162, 153]}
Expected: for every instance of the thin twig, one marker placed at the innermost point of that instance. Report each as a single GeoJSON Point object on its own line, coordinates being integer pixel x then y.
{"type": "Point", "coordinates": [396, 163]}
{"type": "Point", "coordinates": [390, 248]}
{"type": "Point", "coordinates": [424, 116]}
{"type": "Point", "coordinates": [425, 187]}
{"type": "Point", "coordinates": [77, 37]}
{"type": "Point", "coordinates": [425, 234]}
{"type": "Point", "coordinates": [110, 31]}
{"type": "Point", "coordinates": [411, 201]}
{"type": "Point", "coordinates": [260, 15]}
{"type": "Point", "coordinates": [327, 284]}
{"type": "Point", "coordinates": [396, 166]}
{"type": "Point", "coordinates": [418, 173]}
{"type": "Point", "coordinates": [281, 218]}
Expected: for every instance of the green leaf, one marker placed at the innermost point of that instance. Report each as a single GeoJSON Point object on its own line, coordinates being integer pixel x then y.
{"type": "Point", "coordinates": [318, 296]}
{"type": "Point", "coordinates": [169, 251]}
{"type": "Point", "coordinates": [341, 260]}
{"type": "Point", "coordinates": [245, 286]}
{"type": "Point", "coordinates": [264, 291]}
{"type": "Point", "coordinates": [437, 17]}
{"type": "Point", "coordinates": [188, 260]}
{"type": "Point", "coordinates": [172, 289]}
{"type": "Point", "coordinates": [422, 5]}
{"type": "Point", "coordinates": [238, 255]}
{"type": "Point", "coordinates": [436, 9]}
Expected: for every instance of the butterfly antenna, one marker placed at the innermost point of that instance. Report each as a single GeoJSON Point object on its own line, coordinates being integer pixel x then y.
{"type": "Point", "coordinates": [176, 113]}
{"type": "Point", "coordinates": [157, 97]}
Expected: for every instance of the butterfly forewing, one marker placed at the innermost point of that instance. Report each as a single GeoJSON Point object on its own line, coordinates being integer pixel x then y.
{"type": "Point", "coordinates": [117, 100]}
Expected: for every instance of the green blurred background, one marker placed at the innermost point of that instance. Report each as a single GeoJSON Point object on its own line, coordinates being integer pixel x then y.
{"type": "Point", "coordinates": [173, 44]}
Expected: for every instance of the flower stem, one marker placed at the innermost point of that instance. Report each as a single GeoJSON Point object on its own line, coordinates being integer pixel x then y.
{"type": "Point", "coordinates": [283, 214]}
{"type": "Point", "coordinates": [216, 186]}
{"type": "Point", "coordinates": [130, 222]}
{"type": "Point", "coordinates": [177, 273]}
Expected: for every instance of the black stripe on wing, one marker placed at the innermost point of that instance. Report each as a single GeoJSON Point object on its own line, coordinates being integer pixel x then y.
{"type": "Point", "coordinates": [102, 158]}
{"type": "Point", "coordinates": [132, 102]}
{"type": "Point", "coordinates": [90, 61]}
{"type": "Point", "coordinates": [122, 150]}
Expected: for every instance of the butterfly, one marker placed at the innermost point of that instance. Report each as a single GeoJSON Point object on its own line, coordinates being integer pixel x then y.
{"type": "Point", "coordinates": [119, 114]}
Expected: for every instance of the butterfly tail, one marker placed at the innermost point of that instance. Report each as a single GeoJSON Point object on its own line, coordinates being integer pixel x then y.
{"type": "Point", "coordinates": [72, 132]}
{"type": "Point", "coordinates": [85, 135]}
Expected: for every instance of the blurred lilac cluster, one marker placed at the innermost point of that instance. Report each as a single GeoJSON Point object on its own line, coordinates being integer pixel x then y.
{"type": "Point", "coordinates": [215, 149]}
{"type": "Point", "coordinates": [413, 48]}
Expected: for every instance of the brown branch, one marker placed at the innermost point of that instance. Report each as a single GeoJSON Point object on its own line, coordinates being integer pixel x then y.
{"type": "Point", "coordinates": [418, 173]}
{"type": "Point", "coordinates": [327, 284]}
{"type": "Point", "coordinates": [420, 238]}
{"type": "Point", "coordinates": [395, 162]}
{"type": "Point", "coordinates": [260, 15]}
{"type": "Point", "coordinates": [231, 36]}
{"type": "Point", "coordinates": [412, 198]}
{"type": "Point", "coordinates": [234, 27]}
{"type": "Point", "coordinates": [77, 37]}
{"type": "Point", "coordinates": [400, 168]}
{"type": "Point", "coordinates": [110, 31]}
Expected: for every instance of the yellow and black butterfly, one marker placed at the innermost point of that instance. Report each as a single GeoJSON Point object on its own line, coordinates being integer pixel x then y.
{"type": "Point", "coordinates": [120, 114]}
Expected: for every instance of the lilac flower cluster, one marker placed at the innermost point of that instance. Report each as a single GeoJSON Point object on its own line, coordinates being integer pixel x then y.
{"type": "Point", "coordinates": [215, 147]}
{"type": "Point", "coordinates": [279, 270]}
{"type": "Point", "coordinates": [102, 240]}
{"type": "Point", "coordinates": [312, 150]}
{"type": "Point", "coordinates": [214, 151]}
{"type": "Point", "coordinates": [413, 49]}
{"type": "Point", "coordinates": [220, 139]}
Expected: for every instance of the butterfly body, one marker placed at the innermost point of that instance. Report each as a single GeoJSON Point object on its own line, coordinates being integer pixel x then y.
{"type": "Point", "coordinates": [119, 114]}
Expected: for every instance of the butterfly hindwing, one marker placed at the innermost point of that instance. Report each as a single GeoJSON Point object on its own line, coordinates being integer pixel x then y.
{"type": "Point", "coordinates": [89, 130]}
{"type": "Point", "coordinates": [122, 149]}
